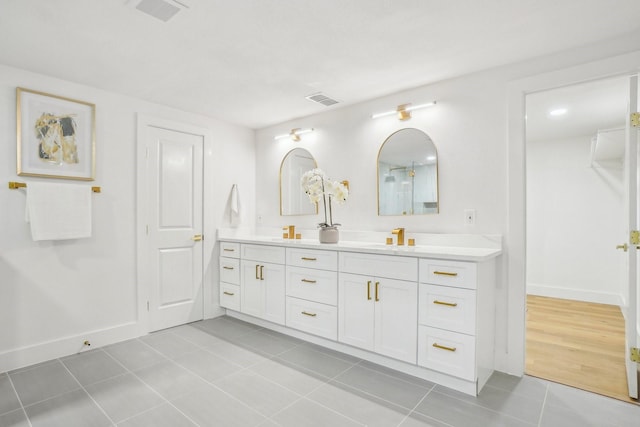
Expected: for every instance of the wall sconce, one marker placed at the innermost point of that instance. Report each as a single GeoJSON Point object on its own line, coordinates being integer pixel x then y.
{"type": "Point", "coordinates": [294, 135]}
{"type": "Point", "coordinates": [403, 111]}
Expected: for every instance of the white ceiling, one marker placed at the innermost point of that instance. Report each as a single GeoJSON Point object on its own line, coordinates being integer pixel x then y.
{"type": "Point", "coordinates": [252, 62]}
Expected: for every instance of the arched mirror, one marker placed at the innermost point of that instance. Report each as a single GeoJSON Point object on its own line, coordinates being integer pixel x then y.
{"type": "Point", "coordinates": [293, 200]}
{"type": "Point", "coordinates": [408, 174]}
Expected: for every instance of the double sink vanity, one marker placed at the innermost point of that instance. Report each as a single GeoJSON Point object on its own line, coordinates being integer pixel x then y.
{"type": "Point", "coordinates": [427, 310]}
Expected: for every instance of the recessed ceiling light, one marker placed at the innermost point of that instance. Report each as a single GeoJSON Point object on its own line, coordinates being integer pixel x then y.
{"type": "Point", "coordinates": [558, 112]}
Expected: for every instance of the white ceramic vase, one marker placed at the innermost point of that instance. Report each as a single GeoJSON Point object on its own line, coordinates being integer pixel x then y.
{"type": "Point", "coordinates": [328, 234]}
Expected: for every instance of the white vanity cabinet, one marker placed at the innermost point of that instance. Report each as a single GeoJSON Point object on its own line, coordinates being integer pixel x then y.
{"type": "Point", "coordinates": [376, 312]}
{"type": "Point", "coordinates": [262, 286]}
{"type": "Point", "coordinates": [312, 291]}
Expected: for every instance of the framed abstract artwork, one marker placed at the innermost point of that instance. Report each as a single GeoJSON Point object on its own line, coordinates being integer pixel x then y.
{"type": "Point", "coordinates": [56, 136]}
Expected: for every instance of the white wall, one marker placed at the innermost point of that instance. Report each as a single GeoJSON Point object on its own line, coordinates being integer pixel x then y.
{"type": "Point", "coordinates": [53, 295]}
{"type": "Point", "coordinates": [574, 222]}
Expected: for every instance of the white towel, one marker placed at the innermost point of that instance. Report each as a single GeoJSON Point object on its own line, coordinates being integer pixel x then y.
{"type": "Point", "coordinates": [234, 206]}
{"type": "Point", "coordinates": [58, 211]}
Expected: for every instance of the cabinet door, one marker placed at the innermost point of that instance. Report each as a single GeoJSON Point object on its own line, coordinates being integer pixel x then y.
{"type": "Point", "coordinates": [272, 276]}
{"type": "Point", "coordinates": [396, 318]}
{"type": "Point", "coordinates": [356, 310]}
{"type": "Point", "coordinates": [252, 289]}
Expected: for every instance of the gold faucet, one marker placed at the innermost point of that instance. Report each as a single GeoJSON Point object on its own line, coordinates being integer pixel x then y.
{"type": "Point", "coordinates": [291, 234]}
{"type": "Point", "coordinates": [400, 233]}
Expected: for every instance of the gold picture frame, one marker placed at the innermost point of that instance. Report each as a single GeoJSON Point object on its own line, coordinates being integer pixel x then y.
{"type": "Point", "coordinates": [55, 136]}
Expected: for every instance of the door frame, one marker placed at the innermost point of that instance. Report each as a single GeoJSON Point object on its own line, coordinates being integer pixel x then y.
{"type": "Point", "coordinates": [512, 357]}
{"type": "Point", "coordinates": [142, 212]}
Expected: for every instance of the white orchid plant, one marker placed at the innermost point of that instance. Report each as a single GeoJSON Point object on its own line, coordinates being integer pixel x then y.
{"type": "Point", "coordinates": [318, 187]}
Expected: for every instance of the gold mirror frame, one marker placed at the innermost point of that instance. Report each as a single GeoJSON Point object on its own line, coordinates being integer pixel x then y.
{"type": "Point", "coordinates": [306, 199]}
{"type": "Point", "coordinates": [429, 150]}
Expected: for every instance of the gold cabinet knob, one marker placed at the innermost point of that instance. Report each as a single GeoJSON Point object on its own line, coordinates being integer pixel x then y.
{"type": "Point", "coordinates": [624, 247]}
{"type": "Point", "coordinates": [197, 237]}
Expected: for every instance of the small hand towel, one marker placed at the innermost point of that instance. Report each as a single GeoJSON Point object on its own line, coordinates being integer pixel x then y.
{"type": "Point", "coordinates": [234, 206]}
{"type": "Point", "coordinates": [58, 211]}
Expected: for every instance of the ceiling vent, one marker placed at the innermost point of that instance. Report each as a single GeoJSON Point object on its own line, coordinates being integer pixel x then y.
{"type": "Point", "coordinates": [321, 98]}
{"type": "Point", "coordinates": [159, 9]}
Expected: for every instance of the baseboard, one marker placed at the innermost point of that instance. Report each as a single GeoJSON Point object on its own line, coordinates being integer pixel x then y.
{"type": "Point", "coordinates": [575, 294]}
{"type": "Point", "coordinates": [37, 353]}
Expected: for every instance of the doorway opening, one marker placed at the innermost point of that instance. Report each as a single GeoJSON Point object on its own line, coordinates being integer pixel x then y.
{"type": "Point", "coordinates": [575, 148]}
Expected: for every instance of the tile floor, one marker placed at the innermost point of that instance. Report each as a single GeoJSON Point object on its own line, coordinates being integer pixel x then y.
{"type": "Point", "coordinates": [224, 372]}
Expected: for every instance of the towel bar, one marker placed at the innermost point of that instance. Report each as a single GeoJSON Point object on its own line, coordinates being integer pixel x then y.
{"type": "Point", "coordinates": [15, 185]}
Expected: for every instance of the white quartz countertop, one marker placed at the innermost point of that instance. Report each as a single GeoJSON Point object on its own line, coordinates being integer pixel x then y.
{"type": "Point", "coordinates": [459, 252]}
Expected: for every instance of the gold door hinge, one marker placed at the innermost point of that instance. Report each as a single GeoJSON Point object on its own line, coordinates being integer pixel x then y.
{"type": "Point", "coordinates": [635, 354]}
{"type": "Point", "coordinates": [634, 237]}
{"type": "Point", "coordinates": [635, 120]}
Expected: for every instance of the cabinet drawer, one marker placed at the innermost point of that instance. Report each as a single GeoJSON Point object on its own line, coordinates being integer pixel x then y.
{"type": "Point", "coordinates": [230, 296]}
{"type": "Point", "coordinates": [272, 254]}
{"type": "Point", "coordinates": [230, 270]}
{"type": "Point", "coordinates": [447, 352]}
{"type": "Point", "coordinates": [324, 260]}
{"type": "Point", "coordinates": [450, 273]}
{"type": "Point", "coordinates": [312, 317]}
{"type": "Point", "coordinates": [448, 308]}
{"type": "Point", "coordinates": [230, 250]}
{"type": "Point", "coordinates": [393, 267]}
{"type": "Point", "coordinates": [313, 285]}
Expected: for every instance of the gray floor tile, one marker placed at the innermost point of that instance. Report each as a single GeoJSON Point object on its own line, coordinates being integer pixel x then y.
{"type": "Point", "coordinates": [358, 405]}
{"type": "Point", "coordinates": [73, 409]}
{"type": "Point", "coordinates": [169, 344]}
{"type": "Point", "coordinates": [45, 381]}
{"type": "Point", "coordinates": [194, 335]}
{"type": "Point", "coordinates": [212, 407]}
{"type": "Point", "coordinates": [226, 328]}
{"type": "Point", "coordinates": [532, 387]}
{"type": "Point", "coordinates": [567, 402]}
{"type": "Point", "coordinates": [264, 343]}
{"type": "Point", "coordinates": [169, 379]}
{"type": "Point", "coordinates": [391, 389]}
{"type": "Point", "coordinates": [124, 396]}
{"type": "Point", "coordinates": [310, 414]}
{"type": "Point", "coordinates": [235, 354]}
{"type": "Point", "coordinates": [15, 418]}
{"type": "Point", "coordinates": [332, 353]}
{"type": "Point", "coordinates": [459, 413]}
{"type": "Point", "coordinates": [8, 398]}
{"type": "Point", "coordinates": [515, 405]}
{"type": "Point", "coordinates": [262, 395]}
{"type": "Point", "coordinates": [396, 374]}
{"type": "Point", "coordinates": [315, 361]}
{"type": "Point", "coordinates": [93, 366]}
{"type": "Point", "coordinates": [416, 419]}
{"type": "Point", "coordinates": [161, 416]}
{"type": "Point", "coordinates": [134, 354]}
{"type": "Point", "coordinates": [207, 365]}
{"type": "Point", "coordinates": [297, 379]}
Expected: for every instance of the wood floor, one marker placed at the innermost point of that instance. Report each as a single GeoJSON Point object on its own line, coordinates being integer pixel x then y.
{"type": "Point", "coordinates": [578, 344]}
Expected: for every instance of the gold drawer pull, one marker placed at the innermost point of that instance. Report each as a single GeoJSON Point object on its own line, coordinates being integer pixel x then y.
{"type": "Point", "coordinates": [226, 267]}
{"type": "Point", "coordinates": [229, 293]}
{"type": "Point", "coordinates": [309, 314]}
{"type": "Point", "coordinates": [445, 273]}
{"type": "Point", "coordinates": [304, 258]}
{"type": "Point", "coordinates": [443, 347]}
{"type": "Point", "coordinates": [229, 250]}
{"type": "Point", "coordinates": [448, 304]}
{"type": "Point", "coordinates": [308, 281]}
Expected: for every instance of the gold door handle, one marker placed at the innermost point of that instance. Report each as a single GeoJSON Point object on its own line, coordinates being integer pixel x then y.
{"type": "Point", "coordinates": [377, 286]}
{"type": "Point", "coordinates": [444, 347]}
{"type": "Point", "coordinates": [624, 247]}
{"type": "Point", "coordinates": [369, 290]}
{"type": "Point", "coordinates": [445, 273]}
{"type": "Point", "coordinates": [257, 276]}
{"type": "Point", "coordinates": [308, 281]}
{"type": "Point", "coordinates": [304, 258]}
{"type": "Point", "coordinates": [309, 314]}
{"type": "Point", "coordinates": [226, 267]}
{"type": "Point", "coordinates": [228, 293]}
{"type": "Point", "coordinates": [448, 304]}
{"type": "Point", "coordinates": [262, 272]}
{"type": "Point", "coordinates": [197, 237]}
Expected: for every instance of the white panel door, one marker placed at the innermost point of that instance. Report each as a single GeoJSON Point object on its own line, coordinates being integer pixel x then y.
{"type": "Point", "coordinates": [175, 222]}
{"type": "Point", "coordinates": [356, 310]}
{"type": "Point", "coordinates": [252, 289]}
{"type": "Point", "coordinates": [396, 318]}
{"type": "Point", "coordinates": [632, 211]}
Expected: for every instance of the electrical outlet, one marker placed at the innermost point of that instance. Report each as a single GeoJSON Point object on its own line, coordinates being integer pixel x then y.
{"type": "Point", "coordinates": [470, 217]}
